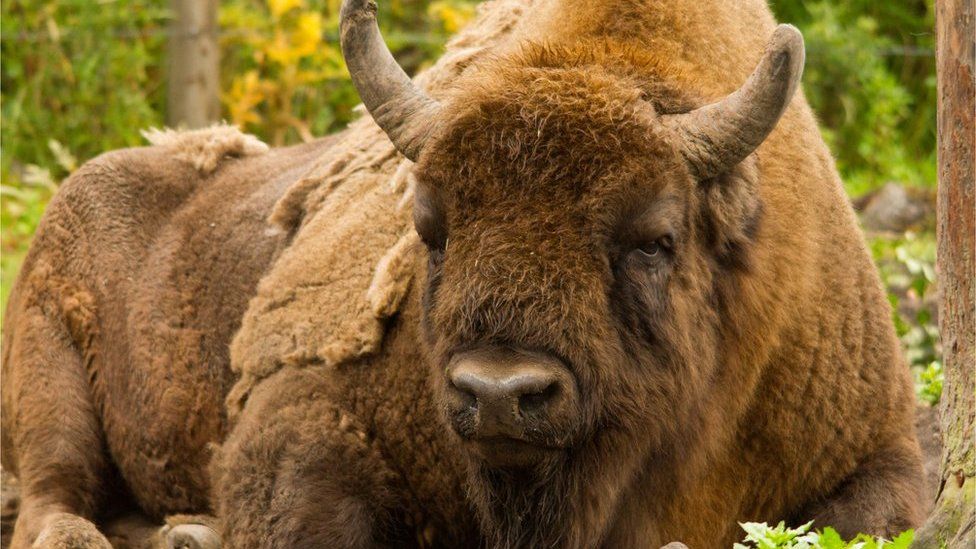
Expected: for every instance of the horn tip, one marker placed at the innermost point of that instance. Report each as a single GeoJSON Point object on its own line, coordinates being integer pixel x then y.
{"type": "Point", "coordinates": [788, 39]}
{"type": "Point", "coordinates": [787, 44]}
{"type": "Point", "coordinates": [353, 8]}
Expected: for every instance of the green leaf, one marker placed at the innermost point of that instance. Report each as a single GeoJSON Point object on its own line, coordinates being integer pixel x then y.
{"type": "Point", "coordinates": [902, 541]}
{"type": "Point", "coordinates": [830, 539]}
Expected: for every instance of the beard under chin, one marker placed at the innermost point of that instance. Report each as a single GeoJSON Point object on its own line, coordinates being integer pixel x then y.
{"type": "Point", "coordinates": [526, 507]}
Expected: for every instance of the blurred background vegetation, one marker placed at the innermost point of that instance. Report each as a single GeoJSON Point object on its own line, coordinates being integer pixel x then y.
{"type": "Point", "coordinates": [80, 77]}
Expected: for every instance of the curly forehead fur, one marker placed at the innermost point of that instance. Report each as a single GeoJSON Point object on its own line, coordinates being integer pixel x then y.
{"type": "Point", "coordinates": [557, 108]}
{"type": "Point", "coordinates": [551, 144]}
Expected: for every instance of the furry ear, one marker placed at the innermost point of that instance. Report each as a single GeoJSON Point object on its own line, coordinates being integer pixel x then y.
{"type": "Point", "coordinates": [732, 213]}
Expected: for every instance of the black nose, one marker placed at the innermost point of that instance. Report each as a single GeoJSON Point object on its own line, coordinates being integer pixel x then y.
{"type": "Point", "coordinates": [512, 393]}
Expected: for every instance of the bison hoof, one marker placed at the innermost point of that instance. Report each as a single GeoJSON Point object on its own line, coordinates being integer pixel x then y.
{"type": "Point", "coordinates": [192, 536]}
{"type": "Point", "coordinates": [67, 531]}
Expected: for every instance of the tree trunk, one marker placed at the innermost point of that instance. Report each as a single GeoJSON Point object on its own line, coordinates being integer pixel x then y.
{"type": "Point", "coordinates": [951, 523]}
{"type": "Point", "coordinates": [193, 99]}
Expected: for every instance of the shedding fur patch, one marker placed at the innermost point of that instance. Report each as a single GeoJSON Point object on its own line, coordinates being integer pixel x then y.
{"type": "Point", "coordinates": [205, 148]}
{"type": "Point", "coordinates": [392, 277]}
{"type": "Point", "coordinates": [326, 299]}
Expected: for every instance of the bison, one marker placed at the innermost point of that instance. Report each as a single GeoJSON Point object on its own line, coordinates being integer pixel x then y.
{"type": "Point", "coordinates": [633, 306]}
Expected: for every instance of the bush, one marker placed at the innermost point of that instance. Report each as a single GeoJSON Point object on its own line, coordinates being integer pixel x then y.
{"type": "Point", "coordinates": [284, 75]}
{"type": "Point", "coordinates": [870, 77]}
{"type": "Point", "coordinates": [86, 74]}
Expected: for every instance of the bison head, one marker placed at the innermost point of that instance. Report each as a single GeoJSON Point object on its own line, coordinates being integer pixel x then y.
{"type": "Point", "coordinates": [579, 216]}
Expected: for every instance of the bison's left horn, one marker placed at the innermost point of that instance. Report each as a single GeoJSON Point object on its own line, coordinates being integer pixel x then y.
{"type": "Point", "coordinates": [399, 107]}
{"type": "Point", "coordinates": [716, 137]}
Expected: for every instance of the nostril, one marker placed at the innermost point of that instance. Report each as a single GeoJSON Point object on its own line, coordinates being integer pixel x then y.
{"type": "Point", "coordinates": [468, 400]}
{"type": "Point", "coordinates": [466, 394]}
{"type": "Point", "coordinates": [533, 403]}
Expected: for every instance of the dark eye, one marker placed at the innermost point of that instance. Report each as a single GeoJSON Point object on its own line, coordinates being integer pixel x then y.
{"type": "Point", "coordinates": [656, 248]}
{"type": "Point", "coordinates": [652, 249]}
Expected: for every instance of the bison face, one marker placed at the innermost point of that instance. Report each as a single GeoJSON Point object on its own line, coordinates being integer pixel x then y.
{"type": "Point", "coordinates": [567, 298]}
{"type": "Point", "coordinates": [569, 306]}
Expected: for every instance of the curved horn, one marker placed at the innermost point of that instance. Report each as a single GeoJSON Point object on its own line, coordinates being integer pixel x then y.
{"type": "Point", "coordinates": [720, 135]}
{"type": "Point", "coordinates": [399, 107]}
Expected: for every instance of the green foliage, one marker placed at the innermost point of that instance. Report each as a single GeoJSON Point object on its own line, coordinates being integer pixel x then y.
{"type": "Point", "coordinates": [85, 74]}
{"type": "Point", "coordinates": [870, 77]}
{"type": "Point", "coordinates": [928, 382]}
{"type": "Point", "coordinates": [907, 266]}
{"type": "Point", "coordinates": [284, 75]}
{"type": "Point", "coordinates": [763, 536]}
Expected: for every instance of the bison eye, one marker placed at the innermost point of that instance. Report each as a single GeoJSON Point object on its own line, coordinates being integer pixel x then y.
{"type": "Point", "coordinates": [650, 250]}
{"type": "Point", "coordinates": [656, 248]}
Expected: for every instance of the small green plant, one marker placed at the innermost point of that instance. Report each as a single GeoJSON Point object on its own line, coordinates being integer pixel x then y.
{"type": "Point", "coordinates": [760, 535]}
{"type": "Point", "coordinates": [928, 382]}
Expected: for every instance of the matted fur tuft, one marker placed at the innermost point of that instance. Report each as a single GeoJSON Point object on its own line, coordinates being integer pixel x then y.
{"type": "Point", "coordinates": [204, 148]}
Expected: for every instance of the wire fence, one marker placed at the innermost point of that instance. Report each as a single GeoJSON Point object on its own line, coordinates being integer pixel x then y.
{"type": "Point", "coordinates": [396, 37]}
{"type": "Point", "coordinates": [33, 37]}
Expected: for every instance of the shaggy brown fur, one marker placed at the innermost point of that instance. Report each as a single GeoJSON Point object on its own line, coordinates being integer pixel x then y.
{"type": "Point", "coordinates": [750, 373]}
{"type": "Point", "coordinates": [115, 348]}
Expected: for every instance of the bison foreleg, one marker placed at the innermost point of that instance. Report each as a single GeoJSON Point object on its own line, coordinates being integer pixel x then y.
{"type": "Point", "coordinates": [880, 498]}
{"type": "Point", "coordinates": [297, 472]}
{"type": "Point", "coordinates": [56, 445]}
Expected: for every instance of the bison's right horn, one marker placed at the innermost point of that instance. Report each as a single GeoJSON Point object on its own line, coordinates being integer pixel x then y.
{"type": "Point", "coordinates": [716, 137]}
{"type": "Point", "coordinates": [399, 107]}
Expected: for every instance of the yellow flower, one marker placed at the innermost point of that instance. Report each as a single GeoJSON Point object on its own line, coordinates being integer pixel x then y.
{"type": "Point", "coordinates": [246, 93]}
{"type": "Point", "coordinates": [453, 15]}
{"type": "Point", "coordinates": [308, 32]}
{"type": "Point", "coordinates": [281, 7]}
{"type": "Point", "coordinates": [279, 50]}
{"type": "Point", "coordinates": [298, 42]}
